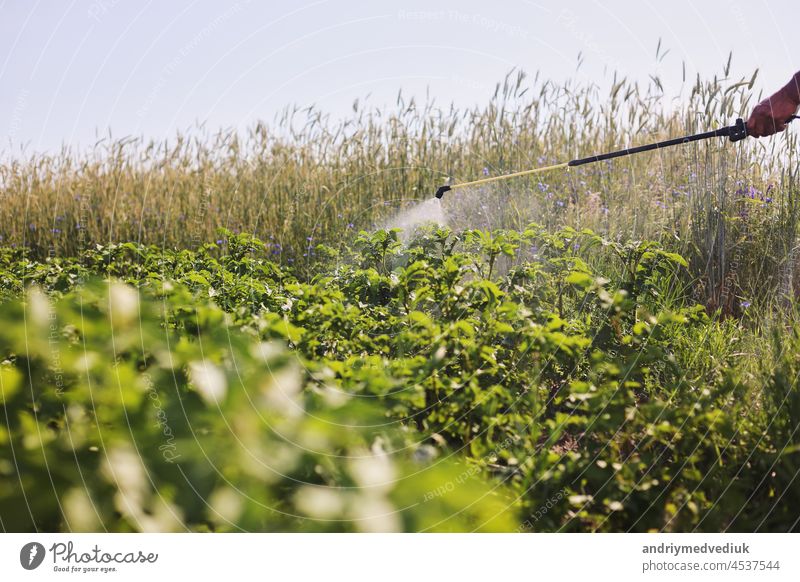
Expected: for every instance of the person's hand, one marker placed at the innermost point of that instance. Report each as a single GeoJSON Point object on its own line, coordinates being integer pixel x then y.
{"type": "Point", "coordinates": [770, 115]}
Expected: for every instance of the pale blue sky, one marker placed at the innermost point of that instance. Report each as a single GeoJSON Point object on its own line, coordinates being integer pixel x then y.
{"type": "Point", "coordinates": [69, 69]}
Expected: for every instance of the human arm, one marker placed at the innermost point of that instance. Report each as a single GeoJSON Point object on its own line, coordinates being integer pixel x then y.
{"type": "Point", "coordinates": [770, 116]}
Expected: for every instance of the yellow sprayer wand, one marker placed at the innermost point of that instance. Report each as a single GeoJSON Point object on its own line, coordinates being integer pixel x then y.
{"type": "Point", "coordinates": [734, 133]}
{"type": "Point", "coordinates": [440, 192]}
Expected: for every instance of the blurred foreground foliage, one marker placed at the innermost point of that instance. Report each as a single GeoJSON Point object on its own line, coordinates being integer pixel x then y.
{"type": "Point", "coordinates": [507, 380]}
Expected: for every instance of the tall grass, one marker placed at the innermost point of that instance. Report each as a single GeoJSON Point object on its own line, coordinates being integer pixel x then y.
{"type": "Point", "coordinates": [305, 178]}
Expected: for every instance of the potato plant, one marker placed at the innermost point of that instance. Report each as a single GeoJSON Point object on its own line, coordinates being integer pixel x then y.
{"type": "Point", "coordinates": [530, 380]}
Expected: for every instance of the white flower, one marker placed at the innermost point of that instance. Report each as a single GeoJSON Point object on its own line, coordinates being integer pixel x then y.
{"type": "Point", "coordinates": [226, 505]}
{"type": "Point", "coordinates": [123, 468]}
{"type": "Point", "coordinates": [123, 303]}
{"type": "Point", "coordinates": [208, 380]}
{"type": "Point", "coordinates": [373, 472]}
{"type": "Point", "coordinates": [333, 395]}
{"type": "Point", "coordinates": [425, 454]}
{"type": "Point", "coordinates": [267, 351]}
{"type": "Point", "coordinates": [80, 512]}
{"type": "Point", "coordinates": [375, 515]}
{"type": "Point", "coordinates": [38, 307]}
{"type": "Point", "coordinates": [161, 517]}
{"type": "Point", "coordinates": [319, 502]}
{"type": "Point", "coordinates": [282, 392]}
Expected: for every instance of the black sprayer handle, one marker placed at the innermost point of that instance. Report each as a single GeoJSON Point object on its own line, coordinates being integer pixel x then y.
{"type": "Point", "coordinates": [736, 132]}
{"type": "Point", "coordinates": [741, 133]}
{"type": "Point", "coordinates": [733, 132]}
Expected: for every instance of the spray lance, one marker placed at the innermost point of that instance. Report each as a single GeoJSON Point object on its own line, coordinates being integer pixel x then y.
{"type": "Point", "coordinates": [735, 132]}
